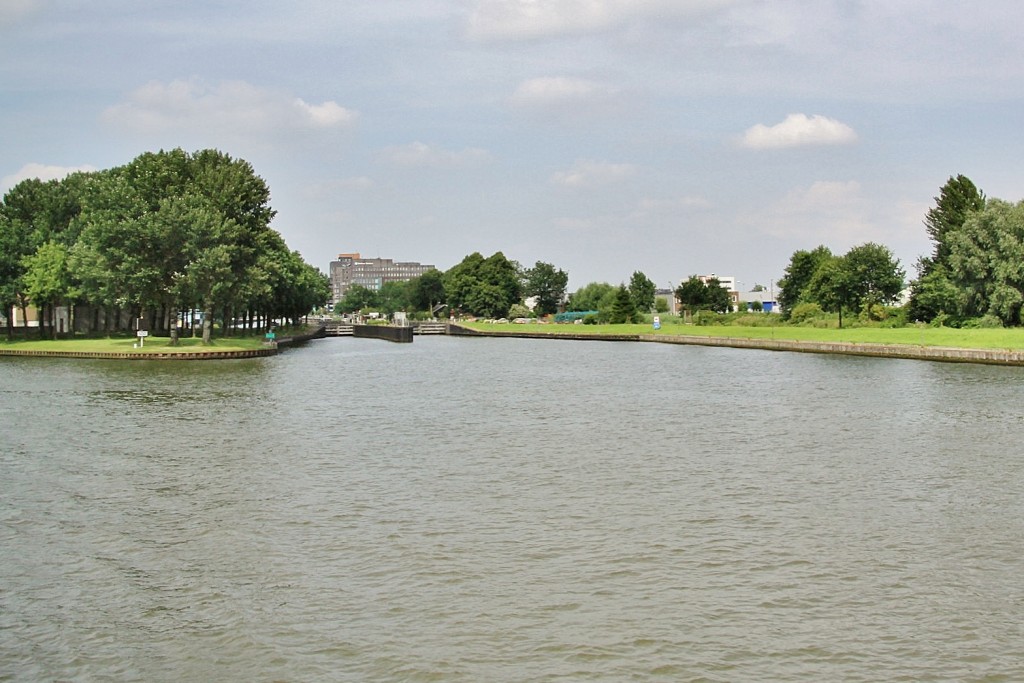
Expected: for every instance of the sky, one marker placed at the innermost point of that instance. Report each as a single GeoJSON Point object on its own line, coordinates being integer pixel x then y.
{"type": "Point", "coordinates": [671, 137]}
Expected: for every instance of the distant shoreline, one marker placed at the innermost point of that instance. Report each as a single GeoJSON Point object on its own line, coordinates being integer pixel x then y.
{"type": "Point", "coordinates": [943, 354]}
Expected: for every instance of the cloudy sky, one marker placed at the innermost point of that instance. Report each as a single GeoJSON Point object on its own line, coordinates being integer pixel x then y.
{"type": "Point", "coordinates": [675, 137]}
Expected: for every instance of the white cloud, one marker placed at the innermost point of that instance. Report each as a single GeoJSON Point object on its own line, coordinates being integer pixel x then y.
{"type": "Point", "coordinates": [558, 91]}
{"type": "Point", "coordinates": [424, 155]}
{"type": "Point", "coordinates": [327, 114]}
{"type": "Point", "coordinates": [231, 106]}
{"type": "Point", "coordinates": [41, 171]}
{"type": "Point", "coordinates": [590, 173]}
{"type": "Point", "coordinates": [827, 212]}
{"type": "Point", "coordinates": [799, 130]}
{"type": "Point", "coordinates": [532, 19]}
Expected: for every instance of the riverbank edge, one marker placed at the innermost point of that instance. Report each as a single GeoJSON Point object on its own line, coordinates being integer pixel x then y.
{"type": "Point", "coordinates": [270, 349]}
{"type": "Point", "coordinates": [942, 354]}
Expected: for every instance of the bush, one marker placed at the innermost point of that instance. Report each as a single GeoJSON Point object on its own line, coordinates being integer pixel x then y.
{"type": "Point", "coordinates": [988, 321]}
{"type": "Point", "coordinates": [519, 311]}
{"type": "Point", "coordinates": [590, 319]}
{"type": "Point", "coordinates": [803, 314]}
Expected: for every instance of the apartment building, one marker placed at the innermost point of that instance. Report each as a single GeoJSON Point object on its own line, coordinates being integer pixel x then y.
{"type": "Point", "coordinates": [372, 273]}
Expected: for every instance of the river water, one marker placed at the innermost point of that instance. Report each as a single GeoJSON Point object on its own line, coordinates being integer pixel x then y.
{"type": "Point", "coordinates": [465, 509]}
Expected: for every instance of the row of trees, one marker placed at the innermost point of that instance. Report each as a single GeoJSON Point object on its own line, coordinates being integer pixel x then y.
{"type": "Point", "coordinates": [974, 275]}
{"type": "Point", "coordinates": [976, 269]}
{"type": "Point", "coordinates": [622, 304]}
{"type": "Point", "coordinates": [496, 287]}
{"type": "Point", "coordinates": [865, 279]}
{"type": "Point", "coordinates": [168, 232]}
{"type": "Point", "coordinates": [483, 287]}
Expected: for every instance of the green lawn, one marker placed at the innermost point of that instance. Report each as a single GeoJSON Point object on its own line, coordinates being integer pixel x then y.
{"type": "Point", "coordinates": [129, 345]}
{"type": "Point", "coordinates": [1006, 338]}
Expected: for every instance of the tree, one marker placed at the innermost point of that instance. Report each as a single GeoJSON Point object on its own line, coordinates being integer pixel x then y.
{"type": "Point", "coordinates": [548, 285]}
{"type": "Point", "coordinates": [933, 294]}
{"type": "Point", "coordinates": [595, 296]}
{"type": "Point", "coordinates": [986, 261]}
{"type": "Point", "coordinates": [483, 287]}
{"type": "Point", "coordinates": [799, 273]}
{"type": "Point", "coordinates": [426, 292]}
{"type": "Point", "coordinates": [47, 279]}
{"type": "Point", "coordinates": [875, 275]}
{"type": "Point", "coordinates": [957, 199]}
{"type": "Point", "coordinates": [356, 298]}
{"type": "Point", "coordinates": [692, 294]}
{"type": "Point", "coordinates": [717, 297]}
{"type": "Point", "coordinates": [393, 296]}
{"type": "Point", "coordinates": [623, 308]}
{"type": "Point", "coordinates": [641, 289]}
{"type": "Point", "coordinates": [831, 287]}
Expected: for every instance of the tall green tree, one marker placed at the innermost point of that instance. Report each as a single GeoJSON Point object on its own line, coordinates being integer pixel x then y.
{"type": "Point", "coordinates": [595, 296]}
{"type": "Point", "coordinates": [875, 275]}
{"type": "Point", "coordinates": [642, 289]}
{"type": "Point", "coordinates": [427, 291]}
{"type": "Point", "coordinates": [623, 308]}
{"type": "Point", "coordinates": [986, 261]}
{"type": "Point", "coordinates": [793, 286]}
{"type": "Point", "coordinates": [356, 298]}
{"type": "Point", "coordinates": [548, 284]}
{"type": "Point", "coordinates": [483, 287]}
{"type": "Point", "coordinates": [957, 200]}
{"type": "Point", "coordinates": [692, 294]}
{"type": "Point", "coordinates": [832, 287]}
{"type": "Point", "coordinates": [47, 279]}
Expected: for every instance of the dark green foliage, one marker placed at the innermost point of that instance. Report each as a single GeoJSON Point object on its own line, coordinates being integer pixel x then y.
{"type": "Point", "coordinates": [483, 287]}
{"type": "Point", "coordinates": [957, 199]}
{"type": "Point", "coordinates": [596, 296]}
{"type": "Point", "coordinates": [695, 294]}
{"type": "Point", "coordinates": [793, 285]}
{"type": "Point", "coordinates": [641, 289]}
{"type": "Point", "coordinates": [356, 298]}
{"type": "Point", "coordinates": [623, 309]}
{"type": "Point", "coordinates": [548, 285]}
{"type": "Point", "coordinates": [167, 232]}
{"type": "Point", "coordinates": [426, 292]}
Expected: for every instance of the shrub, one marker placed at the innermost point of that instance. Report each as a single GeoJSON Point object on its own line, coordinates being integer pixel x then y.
{"type": "Point", "coordinates": [987, 321]}
{"type": "Point", "coordinates": [519, 311]}
{"type": "Point", "coordinates": [590, 319]}
{"type": "Point", "coordinates": [803, 314]}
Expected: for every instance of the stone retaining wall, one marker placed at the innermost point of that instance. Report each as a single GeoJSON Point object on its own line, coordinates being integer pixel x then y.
{"type": "Point", "coordinates": [143, 355]}
{"type": "Point", "coordinates": [932, 353]}
{"type": "Point", "coordinates": [387, 332]}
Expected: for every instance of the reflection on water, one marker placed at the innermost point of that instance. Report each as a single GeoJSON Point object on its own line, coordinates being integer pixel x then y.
{"type": "Point", "coordinates": [510, 510]}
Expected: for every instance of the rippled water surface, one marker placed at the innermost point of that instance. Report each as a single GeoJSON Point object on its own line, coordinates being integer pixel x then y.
{"type": "Point", "coordinates": [511, 510]}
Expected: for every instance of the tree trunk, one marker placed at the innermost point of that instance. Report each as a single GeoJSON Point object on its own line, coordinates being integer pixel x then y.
{"type": "Point", "coordinates": [172, 321]}
{"type": "Point", "coordinates": [207, 324]}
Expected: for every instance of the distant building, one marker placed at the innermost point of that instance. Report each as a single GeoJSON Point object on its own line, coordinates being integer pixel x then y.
{"type": "Point", "coordinates": [372, 273]}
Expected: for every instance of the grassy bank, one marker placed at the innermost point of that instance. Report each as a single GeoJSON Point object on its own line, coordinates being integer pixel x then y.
{"type": "Point", "coordinates": [152, 345]}
{"type": "Point", "coordinates": [1003, 338]}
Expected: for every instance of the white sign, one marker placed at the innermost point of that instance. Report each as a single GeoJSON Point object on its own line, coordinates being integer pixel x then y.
{"type": "Point", "coordinates": [142, 333]}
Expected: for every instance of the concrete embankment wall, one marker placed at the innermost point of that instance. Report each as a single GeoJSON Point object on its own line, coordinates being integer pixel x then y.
{"type": "Point", "coordinates": [387, 332]}
{"type": "Point", "coordinates": [932, 353]}
{"type": "Point", "coordinates": [144, 355]}
{"type": "Point", "coordinates": [458, 330]}
{"type": "Point", "coordinates": [935, 353]}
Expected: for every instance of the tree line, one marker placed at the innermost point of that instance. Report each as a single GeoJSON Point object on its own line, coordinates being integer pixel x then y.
{"type": "Point", "coordinates": [498, 287]}
{"type": "Point", "coordinates": [166, 233]}
{"type": "Point", "coordinates": [973, 277]}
